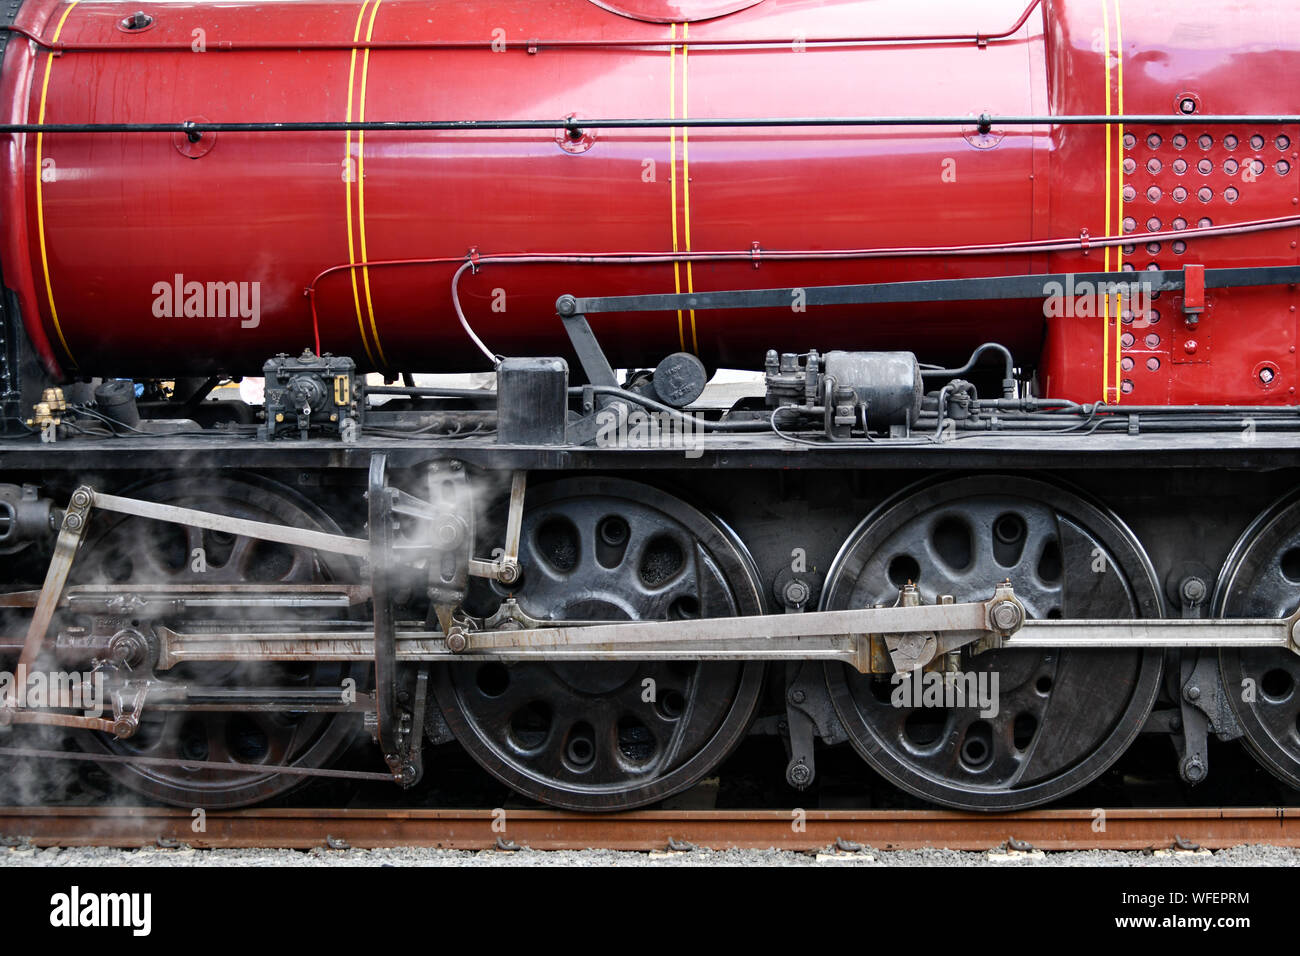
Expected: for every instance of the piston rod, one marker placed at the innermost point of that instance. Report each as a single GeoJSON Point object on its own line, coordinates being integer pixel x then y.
{"type": "Point", "coordinates": [872, 640]}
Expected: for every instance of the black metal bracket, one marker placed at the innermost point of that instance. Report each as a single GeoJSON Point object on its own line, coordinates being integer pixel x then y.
{"type": "Point", "coordinates": [595, 364]}
{"type": "Point", "coordinates": [809, 714]}
{"type": "Point", "coordinates": [1031, 286]}
{"type": "Point", "coordinates": [590, 355]}
{"type": "Point", "coordinates": [396, 738]}
{"type": "Point", "coordinates": [1192, 744]}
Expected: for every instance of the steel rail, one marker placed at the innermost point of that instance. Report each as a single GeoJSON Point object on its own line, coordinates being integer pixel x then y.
{"type": "Point", "coordinates": [798, 830]}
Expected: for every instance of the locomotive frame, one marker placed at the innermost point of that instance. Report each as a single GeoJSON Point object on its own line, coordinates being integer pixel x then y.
{"type": "Point", "coordinates": [598, 584]}
{"type": "Point", "coordinates": [878, 641]}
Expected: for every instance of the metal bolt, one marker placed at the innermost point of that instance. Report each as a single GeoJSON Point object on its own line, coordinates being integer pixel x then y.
{"type": "Point", "coordinates": [1193, 693]}
{"type": "Point", "coordinates": [797, 593]}
{"type": "Point", "coordinates": [125, 726]}
{"type": "Point", "coordinates": [797, 696]}
{"type": "Point", "coordinates": [1266, 375]}
{"type": "Point", "coordinates": [508, 573]}
{"type": "Point", "coordinates": [128, 647]}
{"type": "Point", "coordinates": [456, 641]}
{"type": "Point", "coordinates": [1006, 615]}
{"type": "Point", "coordinates": [567, 305]}
{"type": "Point", "coordinates": [1192, 590]}
{"type": "Point", "coordinates": [1193, 770]}
{"type": "Point", "coordinates": [1187, 105]}
{"type": "Point", "coordinates": [800, 775]}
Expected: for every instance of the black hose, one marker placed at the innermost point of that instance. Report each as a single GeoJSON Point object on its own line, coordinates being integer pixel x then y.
{"type": "Point", "coordinates": [1008, 377]}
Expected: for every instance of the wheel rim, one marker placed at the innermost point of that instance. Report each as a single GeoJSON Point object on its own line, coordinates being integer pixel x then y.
{"type": "Point", "coordinates": [134, 551]}
{"type": "Point", "coordinates": [582, 735]}
{"type": "Point", "coordinates": [1261, 578]}
{"type": "Point", "coordinates": [1062, 717]}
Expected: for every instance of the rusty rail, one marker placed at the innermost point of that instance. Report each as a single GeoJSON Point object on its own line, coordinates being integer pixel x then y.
{"type": "Point", "coordinates": [1124, 829]}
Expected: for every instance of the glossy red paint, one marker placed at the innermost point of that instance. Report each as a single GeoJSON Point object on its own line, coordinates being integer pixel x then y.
{"type": "Point", "coordinates": [123, 215]}
{"type": "Point", "coordinates": [1246, 61]}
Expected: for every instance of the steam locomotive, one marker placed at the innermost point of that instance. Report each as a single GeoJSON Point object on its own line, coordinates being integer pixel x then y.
{"type": "Point", "coordinates": [1012, 480]}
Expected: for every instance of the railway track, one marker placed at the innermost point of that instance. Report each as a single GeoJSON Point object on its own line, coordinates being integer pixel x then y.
{"type": "Point", "coordinates": [1120, 829]}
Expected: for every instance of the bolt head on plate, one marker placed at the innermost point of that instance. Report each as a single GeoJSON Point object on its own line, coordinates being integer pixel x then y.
{"type": "Point", "coordinates": [1006, 615]}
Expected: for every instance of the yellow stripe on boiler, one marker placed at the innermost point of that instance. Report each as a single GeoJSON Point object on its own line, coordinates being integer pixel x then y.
{"type": "Point", "coordinates": [40, 192]}
{"type": "Point", "coordinates": [361, 184]}
{"type": "Point", "coordinates": [350, 174]}
{"type": "Point", "coordinates": [686, 179]}
{"type": "Point", "coordinates": [672, 173]}
{"type": "Point", "coordinates": [1105, 299]}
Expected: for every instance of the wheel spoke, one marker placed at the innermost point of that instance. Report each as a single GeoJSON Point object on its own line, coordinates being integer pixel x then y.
{"type": "Point", "coordinates": [159, 552]}
{"type": "Point", "coordinates": [241, 554]}
{"type": "Point", "coordinates": [1262, 579]}
{"type": "Point", "coordinates": [1043, 724]}
{"type": "Point", "coordinates": [603, 549]}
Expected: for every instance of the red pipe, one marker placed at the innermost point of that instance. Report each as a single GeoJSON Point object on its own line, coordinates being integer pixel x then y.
{"type": "Point", "coordinates": [653, 258]}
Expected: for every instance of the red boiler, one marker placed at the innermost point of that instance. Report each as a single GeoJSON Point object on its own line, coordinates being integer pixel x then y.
{"type": "Point", "coordinates": [162, 254]}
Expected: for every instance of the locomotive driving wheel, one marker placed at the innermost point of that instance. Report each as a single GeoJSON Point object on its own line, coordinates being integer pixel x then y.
{"type": "Point", "coordinates": [602, 735]}
{"type": "Point", "coordinates": [1042, 723]}
{"type": "Point", "coordinates": [1261, 578]}
{"type": "Point", "coordinates": [135, 551]}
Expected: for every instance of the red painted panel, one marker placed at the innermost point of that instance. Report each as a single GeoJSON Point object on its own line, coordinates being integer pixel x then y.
{"type": "Point", "coordinates": [125, 213]}
{"type": "Point", "coordinates": [116, 218]}
{"type": "Point", "coordinates": [1170, 180]}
